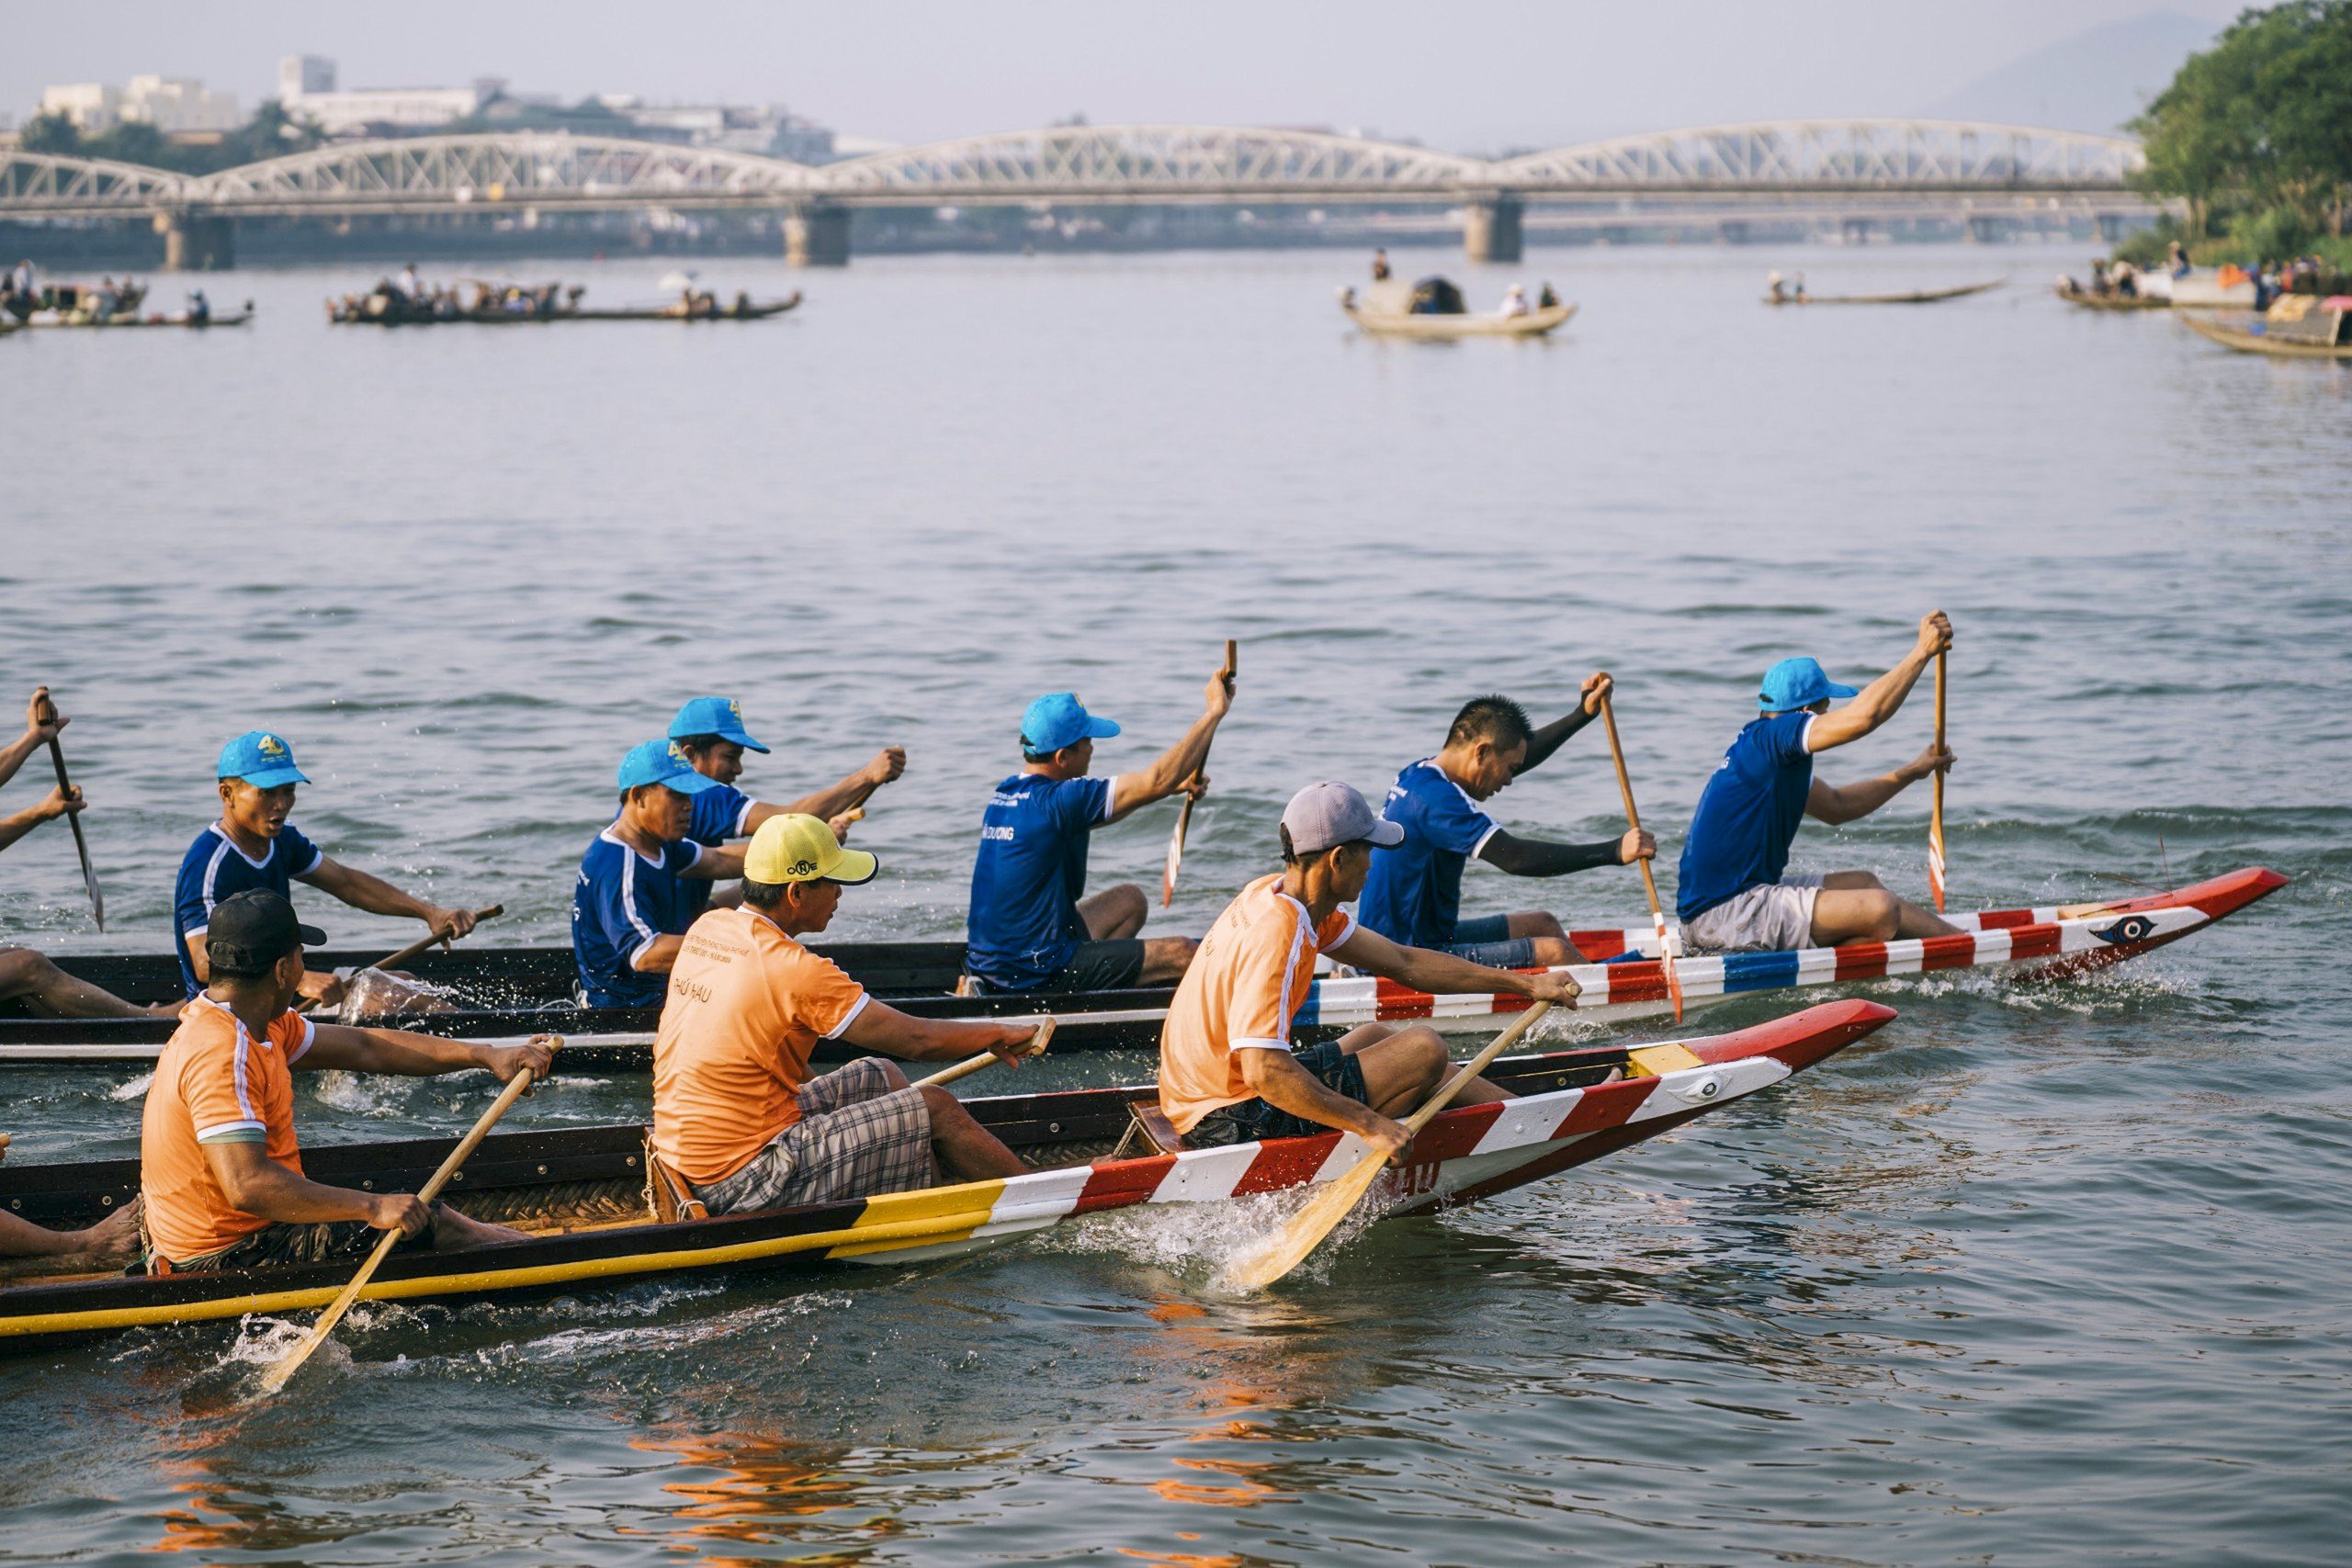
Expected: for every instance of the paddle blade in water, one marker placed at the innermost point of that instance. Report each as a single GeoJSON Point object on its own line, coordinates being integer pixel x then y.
{"type": "Point", "coordinates": [1287, 1248]}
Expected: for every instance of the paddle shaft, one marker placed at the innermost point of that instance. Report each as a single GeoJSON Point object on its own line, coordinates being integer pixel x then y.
{"type": "Point", "coordinates": [1649, 882]}
{"type": "Point", "coordinates": [1184, 812]}
{"type": "Point", "coordinates": [277, 1376]}
{"type": "Point", "coordinates": [45, 711]}
{"type": "Point", "coordinates": [970, 1065]}
{"type": "Point", "coordinates": [1936, 820]}
{"type": "Point", "coordinates": [441, 938]}
{"type": "Point", "coordinates": [1478, 1064]}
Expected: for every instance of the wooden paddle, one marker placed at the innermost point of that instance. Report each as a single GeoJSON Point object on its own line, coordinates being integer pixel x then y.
{"type": "Point", "coordinates": [1286, 1250]}
{"type": "Point", "coordinates": [45, 711]}
{"type": "Point", "coordinates": [1649, 882]}
{"type": "Point", "coordinates": [441, 938]}
{"type": "Point", "coordinates": [1184, 812]}
{"type": "Point", "coordinates": [1936, 819]}
{"type": "Point", "coordinates": [970, 1065]}
{"type": "Point", "coordinates": [274, 1378]}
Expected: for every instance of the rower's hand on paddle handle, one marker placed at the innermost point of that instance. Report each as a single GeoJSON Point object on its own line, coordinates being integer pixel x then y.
{"type": "Point", "coordinates": [1639, 844]}
{"type": "Point", "coordinates": [1934, 760]}
{"type": "Point", "coordinates": [1935, 633]}
{"type": "Point", "coordinates": [1216, 697]}
{"type": "Point", "coordinates": [402, 1212]}
{"type": "Point", "coordinates": [1554, 985]}
{"type": "Point", "coordinates": [42, 721]}
{"type": "Point", "coordinates": [321, 990]}
{"type": "Point", "coordinates": [888, 763]}
{"type": "Point", "coordinates": [1388, 1138]}
{"type": "Point", "coordinates": [537, 1053]}
{"type": "Point", "coordinates": [1597, 687]}
{"type": "Point", "coordinates": [455, 922]}
{"type": "Point", "coordinates": [62, 800]}
{"type": "Point", "coordinates": [1195, 786]}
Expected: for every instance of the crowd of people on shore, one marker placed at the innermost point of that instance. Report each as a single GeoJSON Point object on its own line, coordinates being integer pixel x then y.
{"type": "Point", "coordinates": [739, 1120]}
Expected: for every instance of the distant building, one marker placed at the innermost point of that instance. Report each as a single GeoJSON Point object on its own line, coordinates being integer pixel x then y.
{"type": "Point", "coordinates": [173, 104]}
{"type": "Point", "coordinates": [299, 75]}
{"type": "Point", "coordinates": [306, 86]}
{"type": "Point", "coordinates": [770, 131]}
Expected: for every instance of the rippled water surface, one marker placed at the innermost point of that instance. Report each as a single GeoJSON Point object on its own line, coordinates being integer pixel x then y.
{"type": "Point", "coordinates": [2030, 1276]}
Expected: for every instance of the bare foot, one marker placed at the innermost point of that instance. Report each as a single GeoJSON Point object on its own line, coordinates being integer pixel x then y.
{"type": "Point", "coordinates": [452, 1232]}
{"type": "Point", "coordinates": [114, 1239]}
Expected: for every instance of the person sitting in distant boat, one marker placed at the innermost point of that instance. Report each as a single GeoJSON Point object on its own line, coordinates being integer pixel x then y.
{"type": "Point", "coordinates": [1735, 893]}
{"type": "Point", "coordinates": [1028, 929]}
{"type": "Point", "coordinates": [252, 845]}
{"type": "Point", "coordinates": [1797, 293]}
{"type": "Point", "coordinates": [1413, 896]}
{"type": "Point", "coordinates": [2126, 278]}
{"type": "Point", "coordinates": [1380, 265]}
{"type": "Point", "coordinates": [200, 309]}
{"type": "Point", "coordinates": [736, 1114]}
{"type": "Point", "coordinates": [2177, 260]}
{"type": "Point", "coordinates": [412, 287]}
{"type": "Point", "coordinates": [629, 906]}
{"type": "Point", "coordinates": [22, 277]}
{"type": "Point", "coordinates": [710, 731]}
{"type": "Point", "coordinates": [109, 1245]}
{"type": "Point", "coordinates": [1547, 301]}
{"type": "Point", "coordinates": [1780, 291]}
{"type": "Point", "coordinates": [1228, 1072]}
{"type": "Point", "coordinates": [1514, 303]}
{"type": "Point", "coordinates": [25, 974]}
{"type": "Point", "coordinates": [220, 1171]}
{"type": "Point", "coordinates": [742, 303]}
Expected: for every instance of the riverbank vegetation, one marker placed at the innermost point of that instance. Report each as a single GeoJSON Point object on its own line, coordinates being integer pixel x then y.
{"type": "Point", "coordinates": [271, 133]}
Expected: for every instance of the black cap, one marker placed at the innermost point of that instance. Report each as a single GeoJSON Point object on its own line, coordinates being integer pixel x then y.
{"type": "Point", "coordinates": [250, 932]}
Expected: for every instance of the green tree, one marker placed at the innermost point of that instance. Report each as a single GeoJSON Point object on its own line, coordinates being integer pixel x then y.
{"type": "Point", "coordinates": [51, 132]}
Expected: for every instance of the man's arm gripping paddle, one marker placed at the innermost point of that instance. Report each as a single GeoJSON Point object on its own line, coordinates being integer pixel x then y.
{"type": "Point", "coordinates": [44, 714]}
{"type": "Point", "coordinates": [1184, 812]}
{"type": "Point", "coordinates": [970, 1065]}
{"type": "Point", "coordinates": [1649, 882]}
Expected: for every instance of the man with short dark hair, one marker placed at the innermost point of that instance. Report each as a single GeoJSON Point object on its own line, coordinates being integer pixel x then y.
{"type": "Point", "coordinates": [1414, 895]}
{"type": "Point", "coordinates": [1030, 929]}
{"type": "Point", "coordinates": [1228, 1073]}
{"type": "Point", "coordinates": [710, 731]}
{"type": "Point", "coordinates": [51, 991]}
{"type": "Point", "coordinates": [1735, 893]}
{"type": "Point", "coordinates": [221, 1172]}
{"type": "Point", "coordinates": [630, 906]}
{"type": "Point", "coordinates": [736, 1114]}
{"type": "Point", "coordinates": [254, 846]}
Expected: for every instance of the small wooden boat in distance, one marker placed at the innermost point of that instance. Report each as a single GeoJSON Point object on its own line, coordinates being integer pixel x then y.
{"type": "Point", "coordinates": [50, 320]}
{"type": "Point", "coordinates": [2297, 327]}
{"type": "Point", "coordinates": [1911, 297]}
{"type": "Point", "coordinates": [2090, 301]}
{"type": "Point", "coordinates": [1405, 323]}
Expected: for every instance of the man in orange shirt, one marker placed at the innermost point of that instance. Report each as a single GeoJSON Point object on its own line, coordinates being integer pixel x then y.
{"type": "Point", "coordinates": [735, 1112]}
{"type": "Point", "coordinates": [1228, 1073]}
{"type": "Point", "coordinates": [221, 1175]}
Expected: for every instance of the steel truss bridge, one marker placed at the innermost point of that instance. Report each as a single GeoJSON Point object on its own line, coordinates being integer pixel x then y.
{"type": "Point", "coordinates": [1931, 166]}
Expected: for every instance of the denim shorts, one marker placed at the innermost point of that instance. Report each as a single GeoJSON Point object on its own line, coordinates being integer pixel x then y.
{"type": "Point", "coordinates": [1487, 941]}
{"type": "Point", "coordinates": [1254, 1120]}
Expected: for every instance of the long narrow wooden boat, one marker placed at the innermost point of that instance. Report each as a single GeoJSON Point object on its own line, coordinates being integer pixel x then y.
{"type": "Point", "coordinates": [1622, 980]}
{"type": "Point", "coordinates": [759, 311]}
{"type": "Point", "coordinates": [2321, 333]}
{"type": "Point", "coordinates": [2090, 301]}
{"type": "Point", "coordinates": [50, 322]}
{"type": "Point", "coordinates": [1912, 297]}
{"type": "Point", "coordinates": [582, 1192]}
{"type": "Point", "coordinates": [1385, 323]}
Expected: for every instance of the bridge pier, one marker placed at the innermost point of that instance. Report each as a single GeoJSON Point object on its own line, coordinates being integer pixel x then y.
{"type": "Point", "coordinates": [2112, 226]}
{"type": "Point", "coordinates": [196, 242]}
{"type": "Point", "coordinates": [1857, 230]}
{"type": "Point", "coordinates": [1491, 228]}
{"type": "Point", "coordinates": [817, 235]}
{"type": "Point", "coordinates": [1983, 231]}
{"type": "Point", "coordinates": [1732, 230]}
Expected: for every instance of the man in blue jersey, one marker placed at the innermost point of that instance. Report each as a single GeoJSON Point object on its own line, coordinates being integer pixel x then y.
{"type": "Point", "coordinates": [629, 907]}
{"type": "Point", "coordinates": [254, 846]}
{"type": "Point", "coordinates": [710, 731]}
{"type": "Point", "coordinates": [1030, 929]}
{"type": "Point", "coordinates": [1735, 892]}
{"type": "Point", "coordinates": [1414, 895]}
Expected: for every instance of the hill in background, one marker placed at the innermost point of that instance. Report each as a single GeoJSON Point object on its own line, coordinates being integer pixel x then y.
{"type": "Point", "coordinates": [2093, 82]}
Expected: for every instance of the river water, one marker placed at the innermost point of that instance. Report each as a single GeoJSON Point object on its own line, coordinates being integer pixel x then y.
{"type": "Point", "coordinates": [2027, 1277]}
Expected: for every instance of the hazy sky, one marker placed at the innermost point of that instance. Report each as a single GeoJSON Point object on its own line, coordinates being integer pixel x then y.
{"type": "Point", "coordinates": [1474, 75]}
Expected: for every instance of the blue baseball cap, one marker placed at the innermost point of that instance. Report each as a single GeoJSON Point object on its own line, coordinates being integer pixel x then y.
{"type": "Point", "coordinates": [1059, 719]}
{"type": "Point", "coordinates": [722, 716]}
{"type": "Point", "coordinates": [662, 762]}
{"type": "Point", "coordinates": [262, 760]}
{"type": "Point", "coordinates": [1795, 683]}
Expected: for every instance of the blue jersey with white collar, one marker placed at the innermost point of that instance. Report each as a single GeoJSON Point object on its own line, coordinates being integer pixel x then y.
{"type": "Point", "coordinates": [622, 902]}
{"type": "Point", "coordinates": [214, 868]}
{"type": "Point", "coordinates": [1414, 894]}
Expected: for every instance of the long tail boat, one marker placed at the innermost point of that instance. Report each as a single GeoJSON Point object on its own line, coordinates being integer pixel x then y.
{"type": "Point", "coordinates": [756, 310]}
{"type": "Point", "coordinates": [584, 1196]}
{"type": "Point", "coordinates": [2091, 301]}
{"type": "Point", "coordinates": [1910, 296]}
{"type": "Point", "coordinates": [1621, 980]}
{"type": "Point", "coordinates": [52, 322]}
{"type": "Point", "coordinates": [2297, 327]}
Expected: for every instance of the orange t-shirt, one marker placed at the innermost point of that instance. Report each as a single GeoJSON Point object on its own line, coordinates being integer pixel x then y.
{"type": "Point", "coordinates": [1245, 986]}
{"type": "Point", "coordinates": [214, 1083]}
{"type": "Point", "coordinates": [747, 1005]}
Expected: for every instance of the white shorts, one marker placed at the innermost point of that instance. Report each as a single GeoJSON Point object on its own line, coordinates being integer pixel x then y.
{"type": "Point", "coordinates": [1773, 916]}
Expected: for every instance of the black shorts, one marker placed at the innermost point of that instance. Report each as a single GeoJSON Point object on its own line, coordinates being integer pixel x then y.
{"type": "Point", "coordinates": [1254, 1120]}
{"type": "Point", "coordinates": [1095, 966]}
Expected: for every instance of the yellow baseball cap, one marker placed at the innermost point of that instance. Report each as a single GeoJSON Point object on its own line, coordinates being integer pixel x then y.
{"type": "Point", "coordinates": [798, 848]}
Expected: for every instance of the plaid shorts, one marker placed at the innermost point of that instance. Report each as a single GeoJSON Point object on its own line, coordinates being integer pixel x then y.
{"type": "Point", "coordinates": [856, 1137]}
{"type": "Point", "coordinates": [277, 1246]}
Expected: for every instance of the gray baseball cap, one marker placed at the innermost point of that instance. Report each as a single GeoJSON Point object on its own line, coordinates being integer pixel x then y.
{"type": "Point", "coordinates": [1323, 816]}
